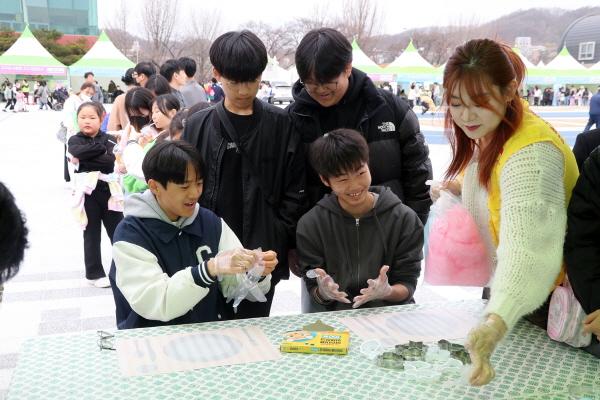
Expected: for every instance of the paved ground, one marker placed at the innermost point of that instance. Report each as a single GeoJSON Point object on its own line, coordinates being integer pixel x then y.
{"type": "Point", "coordinates": [50, 295]}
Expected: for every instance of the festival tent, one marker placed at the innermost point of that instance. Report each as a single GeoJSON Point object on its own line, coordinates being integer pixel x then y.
{"type": "Point", "coordinates": [528, 64]}
{"type": "Point", "coordinates": [362, 62]}
{"type": "Point", "coordinates": [563, 69]}
{"type": "Point", "coordinates": [28, 57]}
{"type": "Point", "coordinates": [541, 65]}
{"type": "Point", "coordinates": [274, 73]}
{"type": "Point", "coordinates": [410, 66]}
{"type": "Point", "coordinates": [103, 59]}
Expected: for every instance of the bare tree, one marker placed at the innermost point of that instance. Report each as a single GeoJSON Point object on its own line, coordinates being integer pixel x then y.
{"type": "Point", "coordinates": [360, 20]}
{"type": "Point", "coordinates": [159, 18]}
{"type": "Point", "coordinates": [204, 26]}
{"type": "Point", "coordinates": [116, 29]}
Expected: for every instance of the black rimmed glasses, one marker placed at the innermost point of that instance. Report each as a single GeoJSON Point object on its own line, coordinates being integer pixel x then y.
{"type": "Point", "coordinates": [313, 87]}
{"type": "Point", "coordinates": [106, 340]}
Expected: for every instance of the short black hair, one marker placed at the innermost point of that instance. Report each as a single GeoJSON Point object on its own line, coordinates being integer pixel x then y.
{"type": "Point", "coordinates": [168, 161]}
{"type": "Point", "coordinates": [201, 105]}
{"type": "Point", "coordinates": [158, 85]}
{"type": "Point", "coordinates": [239, 56]}
{"type": "Point", "coordinates": [137, 99]}
{"type": "Point", "coordinates": [169, 68]}
{"type": "Point", "coordinates": [98, 108]}
{"type": "Point", "coordinates": [188, 65]}
{"type": "Point", "coordinates": [13, 235]}
{"type": "Point", "coordinates": [128, 77]}
{"type": "Point", "coordinates": [167, 102]}
{"type": "Point", "coordinates": [323, 54]}
{"type": "Point", "coordinates": [146, 68]}
{"type": "Point", "coordinates": [338, 152]}
{"type": "Point", "coordinates": [88, 74]}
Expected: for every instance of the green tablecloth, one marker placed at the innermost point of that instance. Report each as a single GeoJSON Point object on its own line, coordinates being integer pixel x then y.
{"type": "Point", "coordinates": [529, 366]}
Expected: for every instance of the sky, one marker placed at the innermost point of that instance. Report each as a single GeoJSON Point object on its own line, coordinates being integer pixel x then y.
{"type": "Point", "coordinates": [398, 15]}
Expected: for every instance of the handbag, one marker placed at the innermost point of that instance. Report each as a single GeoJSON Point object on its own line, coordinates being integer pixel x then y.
{"type": "Point", "coordinates": [61, 133]}
{"type": "Point", "coordinates": [565, 318]}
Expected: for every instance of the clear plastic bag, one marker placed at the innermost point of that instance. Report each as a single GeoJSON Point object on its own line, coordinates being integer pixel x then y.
{"type": "Point", "coordinates": [249, 283]}
{"type": "Point", "coordinates": [455, 253]}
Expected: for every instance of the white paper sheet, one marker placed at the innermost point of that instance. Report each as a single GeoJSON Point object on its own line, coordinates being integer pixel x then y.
{"type": "Point", "coordinates": [424, 326]}
{"type": "Point", "coordinates": [186, 351]}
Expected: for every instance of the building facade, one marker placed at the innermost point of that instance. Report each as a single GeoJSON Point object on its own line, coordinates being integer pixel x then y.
{"type": "Point", "coordinates": [74, 17]}
{"type": "Point", "coordinates": [582, 39]}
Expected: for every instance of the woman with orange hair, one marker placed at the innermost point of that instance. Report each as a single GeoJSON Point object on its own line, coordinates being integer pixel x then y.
{"type": "Point", "coordinates": [517, 176]}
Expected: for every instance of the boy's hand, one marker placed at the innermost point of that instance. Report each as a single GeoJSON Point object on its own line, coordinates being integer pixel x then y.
{"type": "Point", "coordinates": [270, 260]}
{"type": "Point", "coordinates": [591, 324]}
{"type": "Point", "coordinates": [328, 289]}
{"type": "Point", "coordinates": [74, 160]}
{"type": "Point", "coordinates": [378, 289]}
{"type": "Point", "coordinates": [231, 262]}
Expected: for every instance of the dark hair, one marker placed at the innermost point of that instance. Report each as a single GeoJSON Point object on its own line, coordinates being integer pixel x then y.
{"type": "Point", "coordinates": [88, 74]}
{"type": "Point", "coordinates": [323, 54]}
{"type": "Point", "coordinates": [166, 103]}
{"type": "Point", "coordinates": [169, 68]}
{"type": "Point", "coordinates": [338, 152]}
{"type": "Point", "coordinates": [136, 99]}
{"type": "Point", "coordinates": [158, 85]}
{"type": "Point", "coordinates": [146, 68]}
{"type": "Point", "coordinates": [168, 161]}
{"type": "Point", "coordinates": [198, 106]}
{"type": "Point", "coordinates": [98, 108]}
{"type": "Point", "coordinates": [128, 77]}
{"type": "Point", "coordinates": [213, 79]}
{"type": "Point", "coordinates": [87, 85]}
{"type": "Point", "coordinates": [239, 55]}
{"type": "Point", "coordinates": [476, 65]}
{"type": "Point", "coordinates": [188, 65]}
{"type": "Point", "coordinates": [13, 235]}
{"type": "Point", "coordinates": [178, 122]}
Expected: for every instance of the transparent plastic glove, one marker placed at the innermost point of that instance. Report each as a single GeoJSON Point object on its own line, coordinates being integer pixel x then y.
{"type": "Point", "coordinates": [231, 262]}
{"type": "Point", "coordinates": [249, 282]}
{"type": "Point", "coordinates": [481, 343]}
{"type": "Point", "coordinates": [377, 289]}
{"type": "Point", "coordinates": [436, 186]}
{"type": "Point", "coordinates": [328, 289]}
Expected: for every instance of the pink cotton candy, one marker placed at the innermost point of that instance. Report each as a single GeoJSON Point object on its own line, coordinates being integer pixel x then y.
{"type": "Point", "coordinates": [456, 253]}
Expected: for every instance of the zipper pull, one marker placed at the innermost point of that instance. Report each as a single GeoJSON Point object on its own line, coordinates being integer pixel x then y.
{"type": "Point", "coordinates": [357, 222]}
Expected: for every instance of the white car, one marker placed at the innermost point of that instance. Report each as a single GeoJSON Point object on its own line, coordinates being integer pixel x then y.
{"type": "Point", "coordinates": [281, 94]}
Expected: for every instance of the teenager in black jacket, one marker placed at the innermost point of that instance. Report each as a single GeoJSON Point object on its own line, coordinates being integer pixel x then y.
{"type": "Point", "coordinates": [331, 94]}
{"type": "Point", "coordinates": [582, 245]}
{"type": "Point", "coordinates": [255, 165]}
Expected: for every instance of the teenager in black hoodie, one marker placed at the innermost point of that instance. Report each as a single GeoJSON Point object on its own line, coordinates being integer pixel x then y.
{"type": "Point", "coordinates": [330, 94]}
{"type": "Point", "coordinates": [364, 245]}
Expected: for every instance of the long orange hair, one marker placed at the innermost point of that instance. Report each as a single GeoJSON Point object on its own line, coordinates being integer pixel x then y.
{"type": "Point", "coordinates": [475, 66]}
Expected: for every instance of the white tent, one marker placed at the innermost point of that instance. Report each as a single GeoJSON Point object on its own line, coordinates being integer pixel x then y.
{"type": "Point", "coordinates": [564, 61]}
{"type": "Point", "coordinates": [528, 64]}
{"type": "Point", "coordinates": [410, 57]}
{"type": "Point", "coordinates": [274, 73]}
{"type": "Point", "coordinates": [361, 61]}
{"type": "Point", "coordinates": [541, 65]}
{"type": "Point", "coordinates": [595, 67]}
{"type": "Point", "coordinates": [103, 59]}
{"type": "Point", "coordinates": [28, 57]}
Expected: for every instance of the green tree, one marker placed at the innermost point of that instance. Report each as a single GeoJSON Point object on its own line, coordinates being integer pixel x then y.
{"type": "Point", "coordinates": [66, 54]}
{"type": "Point", "coordinates": [7, 38]}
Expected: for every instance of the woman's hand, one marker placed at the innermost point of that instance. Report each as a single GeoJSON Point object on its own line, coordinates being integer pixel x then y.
{"type": "Point", "coordinates": [481, 343]}
{"type": "Point", "coordinates": [591, 324]}
{"type": "Point", "coordinates": [452, 186]}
